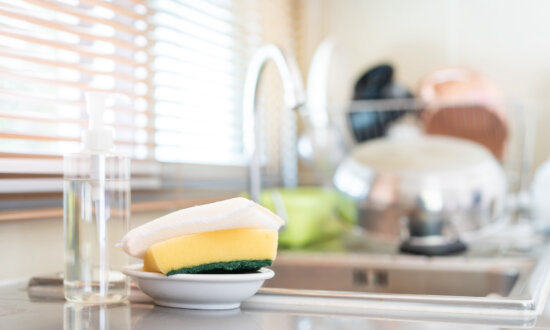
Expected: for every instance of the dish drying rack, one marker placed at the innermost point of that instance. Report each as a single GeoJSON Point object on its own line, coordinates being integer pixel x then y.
{"type": "Point", "coordinates": [405, 117]}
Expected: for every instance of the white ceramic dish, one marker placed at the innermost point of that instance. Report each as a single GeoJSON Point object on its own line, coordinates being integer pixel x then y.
{"type": "Point", "coordinates": [199, 291]}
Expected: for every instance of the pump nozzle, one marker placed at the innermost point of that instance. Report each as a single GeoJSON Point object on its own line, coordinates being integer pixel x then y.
{"type": "Point", "coordinates": [97, 137]}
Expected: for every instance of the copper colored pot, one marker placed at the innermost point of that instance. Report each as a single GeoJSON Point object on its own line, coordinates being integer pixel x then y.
{"type": "Point", "coordinates": [463, 104]}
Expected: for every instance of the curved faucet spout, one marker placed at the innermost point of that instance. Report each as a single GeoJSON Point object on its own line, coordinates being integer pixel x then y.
{"type": "Point", "coordinates": [294, 97]}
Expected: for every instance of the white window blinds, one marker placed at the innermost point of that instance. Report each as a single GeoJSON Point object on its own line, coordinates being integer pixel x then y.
{"type": "Point", "coordinates": [50, 54]}
{"type": "Point", "coordinates": [175, 68]}
{"type": "Point", "coordinates": [178, 64]}
{"type": "Point", "coordinates": [199, 53]}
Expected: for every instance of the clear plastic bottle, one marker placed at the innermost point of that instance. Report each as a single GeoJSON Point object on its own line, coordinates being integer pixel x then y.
{"type": "Point", "coordinates": [96, 200]}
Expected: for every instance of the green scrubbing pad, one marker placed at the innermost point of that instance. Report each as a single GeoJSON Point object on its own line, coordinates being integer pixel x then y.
{"type": "Point", "coordinates": [237, 266]}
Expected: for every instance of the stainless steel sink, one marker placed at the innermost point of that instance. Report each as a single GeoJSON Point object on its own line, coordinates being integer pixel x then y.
{"type": "Point", "coordinates": [495, 280]}
{"type": "Point", "coordinates": [399, 274]}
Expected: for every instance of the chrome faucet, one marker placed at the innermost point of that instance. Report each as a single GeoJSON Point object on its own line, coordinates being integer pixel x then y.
{"type": "Point", "coordinates": [294, 98]}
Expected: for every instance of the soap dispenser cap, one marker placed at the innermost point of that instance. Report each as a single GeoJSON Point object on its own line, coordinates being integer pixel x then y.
{"type": "Point", "coordinates": [97, 138]}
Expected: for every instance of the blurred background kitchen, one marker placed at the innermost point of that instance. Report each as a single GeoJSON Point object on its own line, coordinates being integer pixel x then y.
{"type": "Point", "coordinates": [177, 68]}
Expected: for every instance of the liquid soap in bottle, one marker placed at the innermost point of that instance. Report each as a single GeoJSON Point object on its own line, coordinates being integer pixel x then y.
{"type": "Point", "coordinates": [96, 212]}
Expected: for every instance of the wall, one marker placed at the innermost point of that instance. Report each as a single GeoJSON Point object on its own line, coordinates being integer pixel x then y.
{"type": "Point", "coordinates": [507, 40]}
{"type": "Point", "coordinates": [35, 247]}
{"type": "Point", "coordinates": [30, 248]}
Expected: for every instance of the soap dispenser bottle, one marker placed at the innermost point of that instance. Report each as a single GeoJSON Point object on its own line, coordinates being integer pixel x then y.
{"type": "Point", "coordinates": [96, 212]}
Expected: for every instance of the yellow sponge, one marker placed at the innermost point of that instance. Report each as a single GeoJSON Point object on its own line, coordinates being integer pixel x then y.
{"type": "Point", "coordinates": [231, 250]}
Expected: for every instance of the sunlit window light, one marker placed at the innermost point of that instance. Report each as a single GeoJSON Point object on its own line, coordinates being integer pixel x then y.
{"type": "Point", "coordinates": [179, 88]}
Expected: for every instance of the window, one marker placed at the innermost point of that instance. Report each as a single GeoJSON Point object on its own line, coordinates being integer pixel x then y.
{"type": "Point", "coordinates": [175, 68]}
{"type": "Point", "coordinates": [198, 55]}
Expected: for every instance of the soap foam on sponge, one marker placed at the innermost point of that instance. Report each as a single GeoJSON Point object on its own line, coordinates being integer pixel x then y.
{"type": "Point", "coordinates": [235, 235]}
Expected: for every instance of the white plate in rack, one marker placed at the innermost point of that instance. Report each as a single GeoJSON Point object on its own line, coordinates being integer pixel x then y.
{"type": "Point", "coordinates": [199, 291]}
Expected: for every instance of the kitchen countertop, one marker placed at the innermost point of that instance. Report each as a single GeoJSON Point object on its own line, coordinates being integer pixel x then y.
{"type": "Point", "coordinates": [18, 311]}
